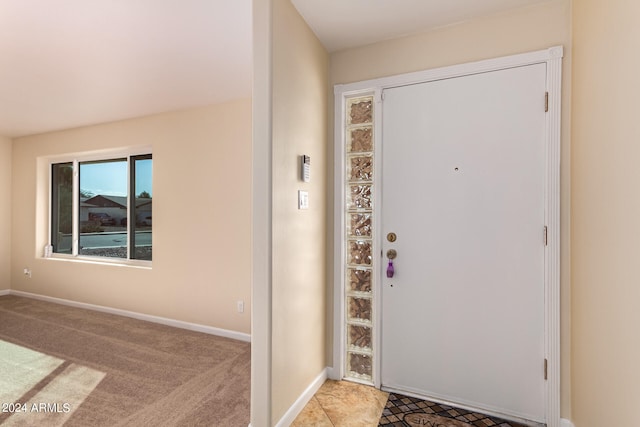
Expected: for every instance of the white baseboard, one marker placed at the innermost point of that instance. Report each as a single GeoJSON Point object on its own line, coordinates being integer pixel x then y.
{"type": "Point", "coordinates": [566, 423]}
{"type": "Point", "coordinates": [304, 398]}
{"type": "Point", "coordinates": [5, 292]}
{"type": "Point", "coordinates": [155, 319]}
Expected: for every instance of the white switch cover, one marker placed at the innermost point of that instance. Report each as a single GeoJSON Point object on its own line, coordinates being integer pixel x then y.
{"type": "Point", "coordinates": [303, 199]}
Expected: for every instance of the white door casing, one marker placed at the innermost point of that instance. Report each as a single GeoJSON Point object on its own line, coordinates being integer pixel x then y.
{"type": "Point", "coordinates": [553, 59]}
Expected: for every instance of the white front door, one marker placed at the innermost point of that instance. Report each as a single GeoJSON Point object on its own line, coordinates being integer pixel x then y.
{"type": "Point", "coordinates": [463, 189]}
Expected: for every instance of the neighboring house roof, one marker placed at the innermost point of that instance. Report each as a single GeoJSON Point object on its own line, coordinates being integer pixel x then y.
{"type": "Point", "coordinates": [146, 206]}
{"type": "Point", "coordinates": [108, 201]}
{"type": "Point", "coordinates": [114, 201]}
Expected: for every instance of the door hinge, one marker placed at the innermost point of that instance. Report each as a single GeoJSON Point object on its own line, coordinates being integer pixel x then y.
{"type": "Point", "coordinates": [546, 366]}
{"type": "Point", "coordinates": [546, 102]}
{"type": "Point", "coordinates": [546, 235]}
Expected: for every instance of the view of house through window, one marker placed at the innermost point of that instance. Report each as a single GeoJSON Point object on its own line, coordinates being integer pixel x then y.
{"type": "Point", "coordinates": [113, 208]}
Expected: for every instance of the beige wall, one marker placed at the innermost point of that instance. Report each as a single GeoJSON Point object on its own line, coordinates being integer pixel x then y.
{"type": "Point", "coordinates": [606, 214]}
{"type": "Point", "coordinates": [525, 29]}
{"type": "Point", "coordinates": [522, 30]}
{"type": "Point", "coordinates": [300, 78]}
{"type": "Point", "coordinates": [201, 218]}
{"type": "Point", "coordinates": [261, 202]}
{"type": "Point", "coordinates": [5, 212]}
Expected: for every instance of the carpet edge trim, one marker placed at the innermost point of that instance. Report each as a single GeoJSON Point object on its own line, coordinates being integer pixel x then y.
{"type": "Point", "coordinates": [240, 336]}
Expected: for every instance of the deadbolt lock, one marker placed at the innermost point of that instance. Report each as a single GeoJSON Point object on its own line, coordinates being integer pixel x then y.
{"type": "Point", "coordinates": [391, 237]}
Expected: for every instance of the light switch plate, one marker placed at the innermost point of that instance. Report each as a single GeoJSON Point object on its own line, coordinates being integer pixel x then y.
{"type": "Point", "coordinates": [303, 199]}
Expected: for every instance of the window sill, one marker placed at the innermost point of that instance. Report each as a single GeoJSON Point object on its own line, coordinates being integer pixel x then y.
{"type": "Point", "coordinates": [117, 262]}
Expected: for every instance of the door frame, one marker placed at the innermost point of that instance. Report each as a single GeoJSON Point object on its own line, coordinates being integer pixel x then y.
{"type": "Point", "coordinates": [552, 57]}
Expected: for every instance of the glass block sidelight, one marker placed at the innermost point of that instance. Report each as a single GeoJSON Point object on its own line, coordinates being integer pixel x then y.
{"type": "Point", "coordinates": [359, 221]}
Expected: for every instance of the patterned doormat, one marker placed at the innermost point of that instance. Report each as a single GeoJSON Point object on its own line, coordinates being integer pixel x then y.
{"type": "Point", "coordinates": [404, 411]}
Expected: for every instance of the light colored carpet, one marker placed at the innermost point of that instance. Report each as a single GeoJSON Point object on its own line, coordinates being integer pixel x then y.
{"type": "Point", "coordinates": [75, 367]}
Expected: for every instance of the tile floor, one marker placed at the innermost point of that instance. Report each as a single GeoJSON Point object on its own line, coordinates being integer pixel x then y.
{"type": "Point", "coordinates": [343, 404]}
{"type": "Point", "coordinates": [347, 404]}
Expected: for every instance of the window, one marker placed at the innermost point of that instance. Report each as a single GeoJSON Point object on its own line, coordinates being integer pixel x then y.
{"type": "Point", "coordinates": [103, 208]}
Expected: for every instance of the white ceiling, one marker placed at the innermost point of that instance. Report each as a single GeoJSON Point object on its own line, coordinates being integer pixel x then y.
{"type": "Point", "coordinates": [342, 24]}
{"type": "Point", "coordinates": [71, 63]}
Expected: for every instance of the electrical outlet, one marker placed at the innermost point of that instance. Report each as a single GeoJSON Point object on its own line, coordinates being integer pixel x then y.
{"type": "Point", "coordinates": [27, 272]}
{"type": "Point", "coordinates": [240, 306]}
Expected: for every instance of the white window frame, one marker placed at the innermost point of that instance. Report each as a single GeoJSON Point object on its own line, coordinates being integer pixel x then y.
{"type": "Point", "coordinates": [75, 159]}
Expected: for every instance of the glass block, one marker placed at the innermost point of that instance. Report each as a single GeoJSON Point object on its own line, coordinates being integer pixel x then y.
{"type": "Point", "coordinates": [360, 365]}
{"type": "Point", "coordinates": [360, 337]}
{"type": "Point", "coordinates": [360, 111]}
{"type": "Point", "coordinates": [360, 308]}
{"type": "Point", "coordinates": [360, 139]}
{"type": "Point", "coordinates": [359, 252]}
{"type": "Point", "coordinates": [360, 225]}
{"type": "Point", "coordinates": [359, 197]}
{"type": "Point", "coordinates": [359, 280]}
{"type": "Point", "coordinates": [361, 168]}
